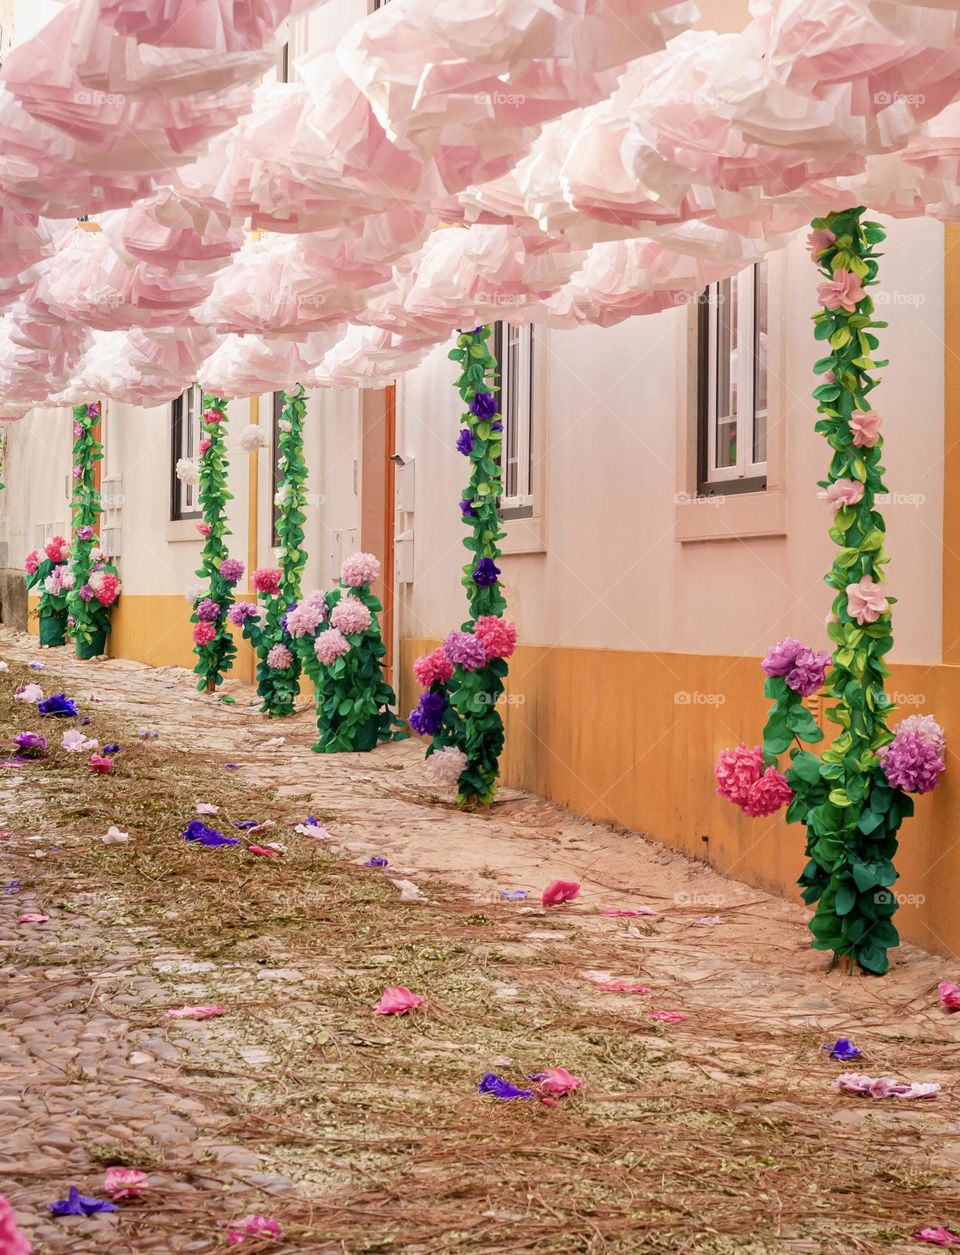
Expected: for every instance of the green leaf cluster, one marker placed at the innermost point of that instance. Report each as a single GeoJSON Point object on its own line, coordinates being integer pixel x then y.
{"type": "Point", "coordinates": [215, 658]}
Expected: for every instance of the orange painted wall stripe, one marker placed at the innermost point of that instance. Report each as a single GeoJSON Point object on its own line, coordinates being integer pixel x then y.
{"type": "Point", "coordinates": [951, 445]}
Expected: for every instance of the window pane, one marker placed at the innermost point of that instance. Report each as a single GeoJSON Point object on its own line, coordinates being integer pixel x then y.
{"type": "Point", "coordinates": [511, 381]}
{"type": "Point", "coordinates": [760, 363]}
{"type": "Point", "coordinates": [528, 332]}
{"type": "Point", "coordinates": [725, 294]}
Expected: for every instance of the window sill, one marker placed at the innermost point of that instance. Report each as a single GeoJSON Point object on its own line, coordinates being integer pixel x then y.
{"type": "Point", "coordinates": [734, 517]}
{"type": "Point", "coordinates": [524, 536]}
{"type": "Point", "coordinates": [181, 530]}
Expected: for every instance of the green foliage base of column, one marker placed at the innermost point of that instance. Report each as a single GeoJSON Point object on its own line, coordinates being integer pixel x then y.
{"type": "Point", "coordinates": [215, 649]}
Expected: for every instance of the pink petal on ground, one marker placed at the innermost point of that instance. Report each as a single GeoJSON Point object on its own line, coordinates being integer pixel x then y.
{"type": "Point", "coordinates": [32, 917]}
{"type": "Point", "coordinates": [938, 1237]}
{"type": "Point", "coordinates": [207, 808]}
{"type": "Point", "coordinates": [557, 1081]}
{"type": "Point", "coordinates": [264, 850]}
{"type": "Point", "coordinates": [560, 891]}
{"type": "Point", "coordinates": [949, 995]}
{"type": "Point", "coordinates": [622, 987]}
{"type": "Point", "coordinates": [122, 1183]}
{"type": "Point", "coordinates": [197, 1013]}
{"type": "Point", "coordinates": [254, 1227]}
{"type": "Point", "coordinates": [668, 1017]}
{"type": "Point", "coordinates": [883, 1087]}
{"type": "Point", "coordinates": [397, 1000]}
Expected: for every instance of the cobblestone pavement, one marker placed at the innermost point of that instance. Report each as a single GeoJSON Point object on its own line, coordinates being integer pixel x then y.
{"type": "Point", "coordinates": [92, 1072]}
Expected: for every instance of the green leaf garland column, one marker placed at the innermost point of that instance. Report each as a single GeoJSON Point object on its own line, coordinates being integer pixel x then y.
{"type": "Point", "coordinates": [87, 626]}
{"type": "Point", "coordinates": [213, 643]}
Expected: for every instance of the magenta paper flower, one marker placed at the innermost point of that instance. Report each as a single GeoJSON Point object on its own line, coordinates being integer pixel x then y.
{"type": "Point", "coordinates": [232, 570]}
{"type": "Point", "coordinates": [123, 1183]}
{"type": "Point", "coordinates": [866, 600]}
{"type": "Point", "coordinates": [12, 1241]}
{"type": "Point", "coordinates": [843, 291]}
{"type": "Point", "coordinates": [465, 650]}
{"type": "Point", "coordinates": [267, 580]}
{"type": "Point", "coordinates": [770, 793]}
{"type": "Point", "coordinates": [204, 633]}
{"type": "Point", "coordinates": [738, 770]}
{"type": "Point", "coordinates": [949, 995]}
{"type": "Point", "coordinates": [667, 1017]}
{"type": "Point", "coordinates": [254, 1227]}
{"type": "Point", "coordinates": [937, 1237]}
{"type": "Point", "coordinates": [866, 429]}
{"type": "Point", "coordinates": [819, 241]}
{"type": "Point", "coordinates": [397, 1000]}
{"type": "Point", "coordinates": [560, 891]}
{"type": "Point", "coordinates": [433, 668]}
{"type": "Point", "coordinates": [843, 492]}
{"type": "Point", "coordinates": [498, 637]}
{"type": "Point", "coordinates": [100, 765]}
{"type": "Point", "coordinates": [240, 611]}
{"type": "Point", "coordinates": [208, 610]}
{"type": "Point", "coordinates": [556, 1081]}
{"type": "Point", "coordinates": [925, 726]}
{"type": "Point", "coordinates": [912, 763]}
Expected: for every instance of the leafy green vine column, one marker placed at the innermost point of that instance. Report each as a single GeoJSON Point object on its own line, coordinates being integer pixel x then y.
{"type": "Point", "coordinates": [85, 624]}
{"type": "Point", "coordinates": [279, 665]}
{"type": "Point", "coordinates": [213, 643]}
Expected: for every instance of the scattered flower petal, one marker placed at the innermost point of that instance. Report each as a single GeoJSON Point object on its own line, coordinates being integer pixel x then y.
{"type": "Point", "coordinates": [60, 705]}
{"type": "Point", "coordinates": [100, 765]}
{"type": "Point", "coordinates": [77, 1204]}
{"type": "Point", "coordinates": [74, 742]}
{"type": "Point", "coordinates": [263, 850]}
{"type": "Point", "coordinates": [254, 1227]}
{"type": "Point", "coordinates": [12, 1240]}
{"type": "Point", "coordinates": [618, 911]}
{"type": "Point", "coordinates": [31, 693]}
{"type": "Point", "coordinates": [113, 835]}
{"type": "Point", "coordinates": [376, 860]}
{"type": "Point", "coordinates": [556, 1081]}
{"type": "Point", "coordinates": [497, 1087]}
{"type": "Point", "coordinates": [197, 1013]}
{"type": "Point", "coordinates": [949, 995]}
{"type": "Point", "coordinates": [843, 1049]}
{"type": "Point", "coordinates": [207, 808]}
{"type": "Point", "coordinates": [123, 1183]}
{"type": "Point", "coordinates": [397, 1000]}
{"type": "Point", "coordinates": [937, 1237]}
{"type": "Point", "coordinates": [409, 892]}
{"type": "Point", "coordinates": [883, 1087]}
{"type": "Point", "coordinates": [32, 917]}
{"type": "Point", "coordinates": [515, 895]}
{"type": "Point", "coordinates": [622, 987]}
{"type": "Point", "coordinates": [197, 831]}
{"type": "Point", "coordinates": [668, 1017]}
{"type": "Point", "coordinates": [560, 891]}
{"type": "Point", "coordinates": [707, 920]}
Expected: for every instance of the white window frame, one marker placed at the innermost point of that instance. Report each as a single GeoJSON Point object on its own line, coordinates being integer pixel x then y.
{"type": "Point", "coordinates": [517, 344]}
{"type": "Point", "coordinates": [743, 374]}
{"type": "Point", "coordinates": [186, 504]}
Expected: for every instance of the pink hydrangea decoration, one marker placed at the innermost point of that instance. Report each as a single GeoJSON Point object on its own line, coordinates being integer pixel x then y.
{"type": "Point", "coordinates": [362, 568]}
{"type": "Point", "coordinates": [768, 795]}
{"type": "Point", "coordinates": [56, 549]}
{"type": "Point", "coordinates": [463, 649]}
{"type": "Point", "coordinates": [397, 1000]}
{"type": "Point", "coordinates": [254, 1227]}
{"type": "Point", "coordinates": [204, 445]}
{"type": "Point", "coordinates": [498, 637]}
{"type": "Point", "coordinates": [741, 779]}
{"type": "Point", "coordinates": [866, 429]}
{"type": "Point", "coordinates": [911, 763]}
{"type": "Point", "coordinates": [446, 765]}
{"type": "Point", "coordinates": [949, 995]}
{"type": "Point", "coordinates": [267, 580]}
{"type": "Point", "coordinates": [925, 726]}
{"type": "Point", "coordinates": [204, 633]}
{"type": "Point", "coordinates": [843, 291]}
{"type": "Point", "coordinates": [433, 668]}
{"type": "Point", "coordinates": [866, 600]}
{"type": "Point", "coordinates": [232, 570]}
{"type": "Point", "coordinates": [843, 492]}
{"type": "Point", "coordinates": [213, 416]}
{"type": "Point", "coordinates": [305, 618]}
{"type": "Point", "coordinates": [109, 589]}
{"type": "Point", "coordinates": [351, 616]}
{"type": "Point", "coordinates": [240, 611]}
{"type": "Point", "coordinates": [331, 645]}
{"type": "Point", "coordinates": [207, 610]}
{"type": "Point", "coordinates": [12, 1241]}
{"type": "Point", "coordinates": [819, 241]}
{"type": "Point", "coordinates": [279, 658]}
{"type": "Point", "coordinates": [123, 1183]}
{"type": "Point", "coordinates": [31, 563]}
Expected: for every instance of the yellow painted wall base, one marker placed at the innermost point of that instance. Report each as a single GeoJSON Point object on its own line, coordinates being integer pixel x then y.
{"type": "Point", "coordinates": [631, 738]}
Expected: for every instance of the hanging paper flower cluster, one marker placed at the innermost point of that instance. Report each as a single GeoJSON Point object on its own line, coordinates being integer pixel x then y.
{"type": "Point", "coordinates": [278, 664]}
{"type": "Point", "coordinates": [50, 572]}
{"type": "Point", "coordinates": [95, 583]}
{"type": "Point", "coordinates": [854, 796]}
{"type": "Point", "coordinates": [464, 678]}
{"type": "Point", "coordinates": [213, 643]}
{"type": "Point", "coordinates": [337, 636]}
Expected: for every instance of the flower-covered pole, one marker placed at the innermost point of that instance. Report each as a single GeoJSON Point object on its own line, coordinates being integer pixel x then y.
{"type": "Point", "coordinates": [84, 624]}
{"type": "Point", "coordinates": [213, 644]}
{"type": "Point", "coordinates": [464, 678]}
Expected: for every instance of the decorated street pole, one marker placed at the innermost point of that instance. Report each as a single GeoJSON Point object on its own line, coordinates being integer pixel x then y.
{"type": "Point", "coordinates": [94, 584]}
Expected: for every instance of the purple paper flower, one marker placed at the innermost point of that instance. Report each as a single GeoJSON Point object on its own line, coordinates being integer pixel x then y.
{"type": "Point", "coordinates": [376, 860]}
{"type": "Point", "coordinates": [248, 823]}
{"type": "Point", "coordinates": [208, 610]}
{"type": "Point", "coordinates": [497, 426]}
{"type": "Point", "coordinates": [426, 718]}
{"type": "Point", "coordinates": [85, 532]}
{"type": "Point", "coordinates": [465, 650]}
{"type": "Point", "coordinates": [13, 886]}
{"type": "Point", "coordinates": [77, 1204]}
{"type": "Point", "coordinates": [60, 705]}
{"type": "Point", "coordinates": [912, 763]}
{"type": "Point", "coordinates": [466, 508]}
{"type": "Point", "coordinates": [111, 749]}
{"type": "Point", "coordinates": [779, 658]}
{"type": "Point", "coordinates": [35, 666]}
{"type": "Point", "coordinates": [78, 472]}
{"type": "Point", "coordinates": [30, 744]}
{"type": "Point", "coordinates": [485, 573]}
{"type": "Point", "coordinates": [497, 1087]}
{"type": "Point", "coordinates": [231, 569]}
{"type": "Point", "coordinates": [240, 611]}
{"type": "Point", "coordinates": [843, 1049]}
{"type": "Point", "coordinates": [515, 895]}
{"type": "Point", "coordinates": [87, 593]}
{"type": "Point", "coordinates": [232, 766]}
{"type": "Point", "coordinates": [484, 405]}
{"type": "Point", "coordinates": [806, 676]}
{"type": "Point", "coordinates": [198, 831]}
{"type": "Point", "coordinates": [148, 736]}
{"type": "Point", "coordinates": [465, 441]}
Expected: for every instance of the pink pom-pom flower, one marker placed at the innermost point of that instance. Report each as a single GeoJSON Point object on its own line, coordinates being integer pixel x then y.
{"type": "Point", "coordinates": [397, 1000]}
{"type": "Point", "coordinates": [433, 668]}
{"type": "Point", "coordinates": [331, 645]}
{"type": "Point", "coordinates": [351, 616]}
{"type": "Point", "coordinates": [560, 891]}
{"type": "Point", "coordinates": [266, 579]}
{"type": "Point", "coordinates": [499, 638]}
{"type": "Point", "coordinates": [360, 569]}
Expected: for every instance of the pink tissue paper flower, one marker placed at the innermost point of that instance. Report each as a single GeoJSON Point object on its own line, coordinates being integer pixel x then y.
{"type": "Point", "coordinates": [843, 291]}
{"type": "Point", "coordinates": [351, 616]}
{"type": "Point", "coordinates": [100, 764]}
{"type": "Point", "coordinates": [331, 645]}
{"type": "Point", "coordinates": [197, 1013]}
{"type": "Point", "coordinates": [742, 780]}
{"type": "Point", "coordinates": [668, 1017]}
{"type": "Point", "coordinates": [204, 445]}
{"type": "Point", "coordinates": [74, 742]}
{"type": "Point", "coordinates": [12, 1241]}
{"type": "Point", "coordinates": [305, 618]}
{"type": "Point", "coordinates": [264, 851]}
{"type": "Point", "coordinates": [266, 579]}
{"type": "Point", "coordinates": [843, 492]}
{"type": "Point", "coordinates": [213, 416]}
{"type": "Point", "coordinates": [31, 693]}
{"type": "Point", "coordinates": [446, 765]}
{"type": "Point", "coordinates": [204, 529]}
{"type": "Point", "coordinates": [557, 1082]}
{"type": "Point", "coordinates": [254, 1227]}
{"type": "Point", "coordinates": [883, 1087]}
{"type": "Point", "coordinates": [499, 638]}
{"type": "Point", "coordinates": [819, 241]}
{"type": "Point", "coordinates": [866, 429]}
{"type": "Point", "coordinates": [32, 917]}
{"type": "Point", "coordinates": [937, 1237]}
{"type": "Point", "coordinates": [924, 726]}
{"type": "Point", "coordinates": [397, 1000]}
{"type": "Point", "coordinates": [279, 658]}
{"type": "Point", "coordinates": [949, 995]}
{"type": "Point", "coordinates": [123, 1183]}
{"type": "Point", "coordinates": [866, 600]}
{"type": "Point", "coordinates": [360, 569]}
{"type": "Point", "coordinates": [204, 632]}
{"type": "Point", "coordinates": [560, 891]}
{"type": "Point", "coordinates": [433, 668]}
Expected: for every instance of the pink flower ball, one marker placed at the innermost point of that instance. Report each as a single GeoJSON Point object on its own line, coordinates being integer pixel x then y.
{"type": "Point", "coordinates": [360, 569]}
{"type": "Point", "coordinates": [204, 529]}
{"type": "Point", "coordinates": [109, 589]}
{"type": "Point", "coordinates": [204, 445]}
{"type": "Point", "coordinates": [31, 563]}
{"type": "Point", "coordinates": [351, 616]}
{"type": "Point", "coordinates": [279, 658]}
{"type": "Point", "coordinates": [434, 668]}
{"type": "Point", "coordinates": [213, 416]}
{"type": "Point", "coordinates": [768, 795]}
{"type": "Point", "coordinates": [204, 633]}
{"type": "Point", "coordinates": [100, 764]}
{"type": "Point", "coordinates": [330, 645]}
{"type": "Point", "coordinates": [737, 771]}
{"type": "Point", "coordinates": [305, 618]}
{"type": "Point", "coordinates": [266, 579]}
{"type": "Point", "coordinates": [499, 637]}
